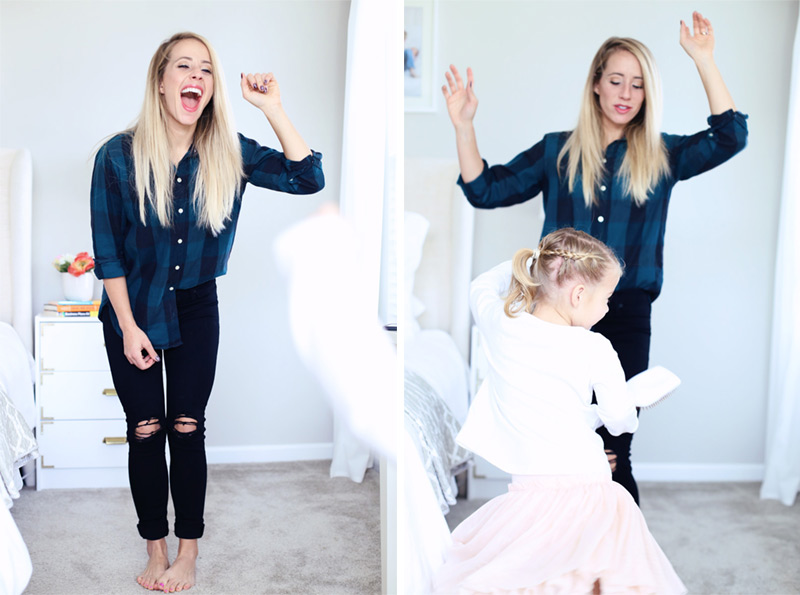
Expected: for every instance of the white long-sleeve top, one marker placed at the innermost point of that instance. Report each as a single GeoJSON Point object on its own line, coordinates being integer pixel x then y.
{"type": "Point", "coordinates": [533, 414]}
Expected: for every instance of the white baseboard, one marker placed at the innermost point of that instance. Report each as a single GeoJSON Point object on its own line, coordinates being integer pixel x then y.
{"type": "Point", "coordinates": [269, 453]}
{"type": "Point", "coordinates": [697, 472]}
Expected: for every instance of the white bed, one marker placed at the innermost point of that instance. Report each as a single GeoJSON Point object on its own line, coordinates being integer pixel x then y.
{"type": "Point", "coordinates": [17, 408]}
{"type": "Point", "coordinates": [438, 262]}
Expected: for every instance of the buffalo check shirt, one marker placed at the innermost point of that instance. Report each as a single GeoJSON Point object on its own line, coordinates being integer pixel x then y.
{"type": "Point", "coordinates": [155, 260]}
{"type": "Point", "coordinates": [635, 233]}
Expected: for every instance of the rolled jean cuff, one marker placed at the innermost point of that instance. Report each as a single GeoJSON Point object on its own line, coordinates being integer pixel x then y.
{"type": "Point", "coordinates": [189, 529]}
{"type": "Point", "coordinates": [153, 530]}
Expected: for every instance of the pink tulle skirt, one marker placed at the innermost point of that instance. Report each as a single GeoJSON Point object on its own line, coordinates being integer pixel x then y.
{"type": "Point", "coordinates": [557, 534]}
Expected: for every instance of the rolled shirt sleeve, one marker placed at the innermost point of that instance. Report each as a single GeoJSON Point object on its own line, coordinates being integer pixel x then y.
{"type": "Point", "coordinates": [504, 185]}
{"type": "Point", "coordinates": [107, 217]}
{"type": "Point", "coordinates": [268, 168]}
{"type": "Point", "coordinates": [695, 154]}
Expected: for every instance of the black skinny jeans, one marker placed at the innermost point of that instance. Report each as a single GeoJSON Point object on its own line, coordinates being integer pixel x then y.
{"type": "Point", "coordinates": [627, 326]}
{"type": "Point", "coordinates": [190, 372]}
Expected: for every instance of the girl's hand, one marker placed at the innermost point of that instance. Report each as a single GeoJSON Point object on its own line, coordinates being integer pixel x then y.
{"type": "Point", "coordinates": [138, 349]}
{"type": "Point", "coordinates": [261, 90]}
{"type": "Point", "coordinates": [461, 100]}
{"type": "Point", "coordinates": [700, 43]}
{"type": "Point", "coordinates": [612, 460]}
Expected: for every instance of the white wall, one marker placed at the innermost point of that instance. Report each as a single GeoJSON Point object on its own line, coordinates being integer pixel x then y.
{"type": "Point", "coordinates": [72, 73]}
{"type": "Point", "coordinates": [711, 323]}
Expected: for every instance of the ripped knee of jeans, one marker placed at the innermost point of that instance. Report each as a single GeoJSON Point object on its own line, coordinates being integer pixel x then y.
{"type": "Point", "coordinates": [185, 426]}
{"type": "Point", "coordinates": [147, 429]}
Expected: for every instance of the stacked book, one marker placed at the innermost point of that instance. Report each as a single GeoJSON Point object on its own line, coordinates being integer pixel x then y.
{"type": "Point", "coordinates": [72, 308]}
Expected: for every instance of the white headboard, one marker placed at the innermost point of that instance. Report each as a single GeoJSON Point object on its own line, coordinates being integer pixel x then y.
{"type": "Point", "coordinates": [443, 277]}
{"type": "Point", "coordinates": [16, 199]}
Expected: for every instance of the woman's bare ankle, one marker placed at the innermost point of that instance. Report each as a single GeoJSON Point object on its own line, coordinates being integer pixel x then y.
{"type": "Point", "coordinates": [157, 546]}
{"type": "Point", "coordinates": [188, 548]}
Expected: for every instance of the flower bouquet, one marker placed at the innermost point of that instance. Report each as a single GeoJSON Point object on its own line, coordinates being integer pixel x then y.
{"type": "Point", "coordinates": [76, 284]}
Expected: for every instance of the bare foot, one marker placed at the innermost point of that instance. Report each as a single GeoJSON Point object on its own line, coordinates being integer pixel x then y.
{"type": "Point", "coordinates": [156, 565]}
{"type": "Point", "coordinates": [181, 575]}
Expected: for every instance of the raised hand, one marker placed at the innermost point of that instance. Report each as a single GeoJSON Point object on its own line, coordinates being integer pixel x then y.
{"type": "Point", "coordinates": [261, 89]}
{"type": "Point", "coordinates": [461, 100]}
{"type": "Point", "coordinates": [699, 44]}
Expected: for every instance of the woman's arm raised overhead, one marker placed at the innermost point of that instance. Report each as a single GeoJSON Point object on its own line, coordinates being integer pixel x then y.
{"type": "Point", "coordinates": [461, 105]}
{"type": "Point", "coordinates": [699, 44]}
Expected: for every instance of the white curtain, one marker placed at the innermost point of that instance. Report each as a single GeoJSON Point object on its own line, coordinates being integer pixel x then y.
{"type": "Point", "coordinates": [369, 159]}
{"type": "Point", "coordinates": [782, 472]}
{"type": "Point", "coordinates": [16, 199]}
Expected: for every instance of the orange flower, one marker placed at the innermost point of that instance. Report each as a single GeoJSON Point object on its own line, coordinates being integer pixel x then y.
{"type": "Point", "coordinates": [83, 263]}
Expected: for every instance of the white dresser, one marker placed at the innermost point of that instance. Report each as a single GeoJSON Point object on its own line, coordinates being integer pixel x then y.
{"type": "Point", "coordinates": [81, 425]}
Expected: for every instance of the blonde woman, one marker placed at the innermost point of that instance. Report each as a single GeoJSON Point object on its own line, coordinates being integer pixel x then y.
{"type": "Point", "coordinates": [165, 201]}
{"type": "Point", "coordinates": [616, 155]}
{"type": "Point", "coordinates": [564, 526]}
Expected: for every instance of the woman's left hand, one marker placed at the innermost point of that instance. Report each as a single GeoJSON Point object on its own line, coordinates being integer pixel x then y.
{"type": "Point", "coordinates": [699, 44]}
{"type": "Point", "coordinates": [261, 89]}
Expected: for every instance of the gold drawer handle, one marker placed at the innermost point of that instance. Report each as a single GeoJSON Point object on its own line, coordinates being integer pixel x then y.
{"type": "Point", "coordinates": [109, 392]}
{"type": "Point", "coordinates": [115, 440]}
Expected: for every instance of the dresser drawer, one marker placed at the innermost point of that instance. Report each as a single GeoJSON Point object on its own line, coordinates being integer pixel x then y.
{"type": "Point", "coordinates": [78, 395]}
{"type": "Point", "coordinates": [72, 345]}
{"type": "Point", "coordinates": [76, 444]}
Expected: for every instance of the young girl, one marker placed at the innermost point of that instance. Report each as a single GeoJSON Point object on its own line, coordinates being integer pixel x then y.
{"type": "Point", "coordinates": [563, 526]}
{"type": "Point", "coordinates": [611, 177]}
{"type": "Point", "coordinates": [165, 201]}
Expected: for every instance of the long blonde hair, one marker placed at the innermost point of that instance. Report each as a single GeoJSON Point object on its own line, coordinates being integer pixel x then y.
{"type": "Point", "coordinates": [563, 255]}
{"type": "Point", "coordinates": [645, 161]}
{"type": "Point", "coordinates": [218, 179]}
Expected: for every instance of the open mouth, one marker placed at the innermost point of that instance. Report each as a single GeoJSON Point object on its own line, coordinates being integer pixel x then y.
{"type": "Point", "coordinates": [623, 109]}
{"type": "Point", "coordinates": [190, 98]}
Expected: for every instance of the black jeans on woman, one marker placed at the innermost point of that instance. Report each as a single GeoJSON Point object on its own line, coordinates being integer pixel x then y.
{"type": "Point", "coordinates": [190, 375]}
{"type": "Point", "coordinates": [627, 326]}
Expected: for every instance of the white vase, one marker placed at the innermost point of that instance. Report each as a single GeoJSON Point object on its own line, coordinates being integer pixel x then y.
{"type": "Point", "coordinates": [77, 289]}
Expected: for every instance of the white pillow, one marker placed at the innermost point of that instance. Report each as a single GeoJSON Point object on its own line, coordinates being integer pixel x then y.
{"type": "Point", "coordinates": [416, 228]}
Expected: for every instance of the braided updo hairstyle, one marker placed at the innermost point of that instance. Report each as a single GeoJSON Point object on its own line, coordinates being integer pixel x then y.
{"type": "Point", "coordinates": [563, 255]}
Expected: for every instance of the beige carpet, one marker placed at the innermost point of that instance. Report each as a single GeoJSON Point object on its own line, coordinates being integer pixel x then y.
{"type": "Point", "coordinates": [270, 528]}
{"type": "Point", "coordinates": [720, 537]}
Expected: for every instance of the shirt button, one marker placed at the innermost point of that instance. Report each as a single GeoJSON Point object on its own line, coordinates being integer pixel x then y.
{"type": "Point", "coordinates": [180, 241]}
{"type": "Point", "coordinates": [603, 188]}
{"type": "Point", "coordinates": [172, 289]}
{"type": "Point", "coordinates": [179, 180]}
{"type": "Point", "coordinates": [604, 160]}
{"type": "Point", "coordinates": [177, 267]}
{"type": "Point", "coordinates": [180, 210]}
{"type": "Point", "coordinates": [710, 134]}
{"type": "Point", "coordinates": [600, 219]}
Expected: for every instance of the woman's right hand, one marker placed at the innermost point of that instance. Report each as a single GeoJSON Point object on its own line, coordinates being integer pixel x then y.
{"type": "Point", "coordinates": [135, 342]}
{"type": "Point", "coordinates": [461, 100]}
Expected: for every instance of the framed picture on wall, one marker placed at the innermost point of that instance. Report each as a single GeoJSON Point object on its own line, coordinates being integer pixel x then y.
{"type": "Point", "coordinates": [419, 54]}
